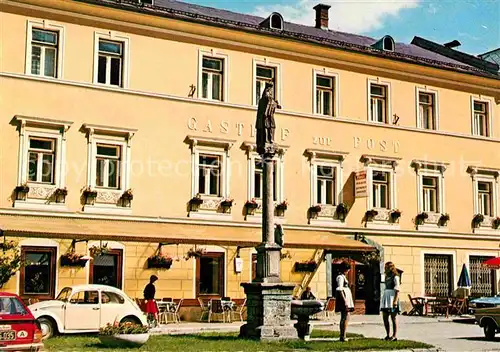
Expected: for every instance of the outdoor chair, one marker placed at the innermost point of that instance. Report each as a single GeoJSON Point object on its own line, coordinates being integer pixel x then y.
{"type": "Point", "coordinates": [441, 305]}
{"type": "Point", "coordinates": [330, 308]}
{"type": "Point", "coordinates": [175, 313]}
{"type": "Point", "coordinates": [458, 306]}
{"type": "Point", "coordinates": [239, 309]}
{"type": "Point", "coordinates": [217, 309]}
{"type": "Point", "coordinates": [417, 306]}
{"type": "Point", "coordinates": [141, 303]}
{"type": "Point", "coordinates": [204, 308]}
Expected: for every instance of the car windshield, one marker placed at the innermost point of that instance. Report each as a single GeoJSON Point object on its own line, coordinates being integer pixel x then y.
{"type": "Point", "coordinates": [11, 306]}
{"type": "Point", "coordinates": [64, 294]}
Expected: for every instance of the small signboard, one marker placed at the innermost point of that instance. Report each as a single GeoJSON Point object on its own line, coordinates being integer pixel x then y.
{"type": "Point", "coordinates": [360, 185]}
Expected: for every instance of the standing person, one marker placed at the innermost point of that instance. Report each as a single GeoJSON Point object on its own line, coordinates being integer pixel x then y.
{"type": "Point", "coordinates": [390, 300]}
{"type": "Point", "coordinates": [149, 296]}
{"type": "Point", "coordinates": [307, 294]}
{"type": "Point", "coordinates": [343, 299]}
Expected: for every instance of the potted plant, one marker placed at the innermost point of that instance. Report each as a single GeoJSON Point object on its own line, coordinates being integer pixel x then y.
{"type": "Point", "coordinates": [90, 195]}
{"type": "Point", "coordinates": [72, 259]}
{"type": "Point", "coordinates": [123, 335]}
{"type": "Point", "coordinates": [250, 206]}
{"type": "Point", "coordinates": [477, 220]}
{"type": "Point", "coordinates": [371, 258]}
{"type": "Point", "coordinates": [195, 202]}
{"type": "Point", "coordinates": [194, 252]}
{"type": "Point", "coordinates": [285, 255]}
{"type": "Point", "coordinates": [127, 198]}
{"type": "Point", "coordinates": [443, 219]}
{"type": "Point", "coordinates": [22, 191]}
{"type": "Point", "coordinates": [226, 205]}
{"type": "Point", "coordinates": [496, 223]}
{"type": "Point", "coordinates": [341, 211]}
{"type": "Point", "coordinates": [281, 208]}
{"type": "Point", "coordinates": [370, 214]}
{"type": "Point", "coordinates": [96, 251]}
{"type": "Point", "coordinates": [60, 194]}
{"type": "Point", "coordinates": [420, 218]}
{"type": "Point", "coordinates": [395, 214]}
{"type": "Point", "coordinates": [160, 261]}
{"type": "Point", "coordinates": [10, 260]}
{"type": "Point", "coordinates": [314, 211]}
{"type": "Point", "coordinates": [305, 267]}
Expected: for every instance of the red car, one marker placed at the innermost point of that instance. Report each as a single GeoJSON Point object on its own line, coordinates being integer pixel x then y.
{"type": "Point", "coordinates": [19, 331]}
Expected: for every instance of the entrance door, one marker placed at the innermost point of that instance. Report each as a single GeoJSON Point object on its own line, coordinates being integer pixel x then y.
{"type": "Point", "coordinates": [83, 311]}
{"type": "Point", "coordinates": [357, 278]}
{"type": "Point", "coordinates": [106, 269]}
{"type": "Point", "coordinates": [482, 279]}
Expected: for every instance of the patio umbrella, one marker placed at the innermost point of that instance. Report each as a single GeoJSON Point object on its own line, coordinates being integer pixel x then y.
{"type": "Point", "coordinates": [464, 279]}
{"type": "Point", "coordinates": [493, 263]}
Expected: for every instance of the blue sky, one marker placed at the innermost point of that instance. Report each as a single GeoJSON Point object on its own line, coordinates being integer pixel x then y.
{"type": "Point", "coordinates": [475, 23]}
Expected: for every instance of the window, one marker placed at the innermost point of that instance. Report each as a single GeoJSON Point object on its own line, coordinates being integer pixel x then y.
{"type": "Point", "coordinates": [41, 160]}
{"type": "Point", "coordinates": [263, 75]}
{"type": "Point", "coordinates": [38, 276]}
{"type": "Point", "coordinates": [276, 21]}
{"type": "Point", "coordinates": [11, 306]}
{"type": "Point", "coordinates": [111, 298]}
{"type": "Point", "coordinates": [378, 103]}
{"type": "Point", "coordinates": [481, 119]}
{"type": "Point", "coordinates": [106, 269]}
{"type": "Point", "coordinates": [324, 95]}
{"type": "Point", "coordinates": [380, 185]}
{"type": "Point", "coordinates": [388, 43]}
{"type": "Point", "coordinates": [325, 184]}
{"type": "Point", "coordinates": [110, 63]}
{"type": "Point", "coordinates": [430, 194]}
{"type": "Point", "coordinates": [484, 190]}
{"type": "Point", "coordinates": [108, 166]}
{"type": "Point", "coordinates": [85, 297]}
{"type": "Point", "coordinates": [259, 179]}
{"type": "Point", "coordinates": [44, 47]}
{"type": "Point", "coordinates": [209, 178]}
{"type": "Point", "coordinates": [212, 78]}
{"type": "Point", "coordinates": [438, 275]}
{"type": "Point", "coordinates": [426, 110]}
{"type": "Point", "coordinates": [210, 275]}
{"type": "Point", "coordinates": [483, 279]}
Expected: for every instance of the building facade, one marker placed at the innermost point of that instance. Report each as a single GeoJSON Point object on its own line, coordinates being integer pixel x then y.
{"type": "Point", "coordinates": [128, 128]}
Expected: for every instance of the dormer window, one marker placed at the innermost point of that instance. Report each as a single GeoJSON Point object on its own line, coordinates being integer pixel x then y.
{"type": "Point", "coordinates": [385, 44]}
{"type": "Point", "coordinates": [147, 2]}
{"type": "Point", "coordinates": [275, 21]}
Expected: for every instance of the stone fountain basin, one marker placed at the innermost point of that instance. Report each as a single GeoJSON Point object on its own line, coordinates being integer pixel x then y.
{"type": "Point", "coordinates": [307, 307]}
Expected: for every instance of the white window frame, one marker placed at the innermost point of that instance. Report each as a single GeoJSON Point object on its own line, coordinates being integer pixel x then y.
{"type": "Point", "coordinates": [225, 72]}
{"type": "Point", "coordinates": [277, 86]}
{"type": "Point", "coordinates": [118, 145]}
{"type": "Point", "coordinates": [489, 103]}
{"type": "Point", "coordinates": [49, 26]}
{"type": "Point", "coordinates": [114, 37]}
{"type": "Point", "coordinates": [387, 85]}
{"type": "Point", "coordinates": [434, 92]}
{"type": "Point", "coordinates": [335, 94]}
{"type": "Point", "coordinates": [430, 169]}
{"type": "Point", "coordinates": [490, 175]}
{"type": "Point", "coordinates": [40, 153]}
{"type": "Point", "coordinates": [384, 164]}
{"type": "Point", "coordinates": [222, 164]}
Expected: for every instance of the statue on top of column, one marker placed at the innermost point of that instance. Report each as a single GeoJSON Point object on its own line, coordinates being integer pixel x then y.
{"type": "Point", "coordinates": [266, 124]}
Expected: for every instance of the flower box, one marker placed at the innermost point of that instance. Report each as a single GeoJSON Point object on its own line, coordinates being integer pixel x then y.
{"type": "Point", "coordinates": [496, 223]}
{"type": "Point", "coordinates": [195, 202]}
{"type": "Point", "coordinates": [307, 267]}
{"type": "Point", "coordinates": [123, 335]}
{"type": "Point", "coordinates": [90, 195]}
{"type": "Point", "coordinates": [159, 262]}
{"type": "Point", "coordinates": [281, 208]}
{"type": "Point", "coordinates": [443, 219]}
{"type": "Point", "coordinates": [251, 206]}
{"type": "Point", "coordinates": [341, 211]}
{"type": "Point", "coordinates": [420, 218]}
{"type": "Point", "coordinates": [195, 253]}
{"type": "Point", "coordinates": [477, 220]}
{"type": "Point", "coordinates": [226, 205]}
{"type": "Point", "coordinates": [73, 260]}
{"type": "Point", "coordinates": [22, 191]}
{"type": "Point", "coordinates": [126, 198]}
{"type": "Point", "coordinates": [370, 214]}
{"type": "Point", "coordinates": [395, 215]}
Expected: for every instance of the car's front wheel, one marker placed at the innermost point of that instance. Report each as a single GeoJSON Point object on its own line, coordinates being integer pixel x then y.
{"type": "Point", "coordinates": [47, 326]}
{"type": "Point", "coordinates": [490, 329]}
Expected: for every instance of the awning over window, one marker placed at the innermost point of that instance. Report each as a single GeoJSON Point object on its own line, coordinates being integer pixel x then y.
{"type": "Point", "coordinates": [162, 231]}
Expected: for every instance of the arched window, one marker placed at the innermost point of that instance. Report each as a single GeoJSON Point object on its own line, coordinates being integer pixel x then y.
{"type": "Point", "coordinates": [276, 21]}
{"type": "Point", "coordinates": [388, 43]}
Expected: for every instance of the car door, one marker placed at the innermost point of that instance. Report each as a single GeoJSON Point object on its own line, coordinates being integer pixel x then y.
{"type": "Point", "coordinates": [112, 306]}
{"type": "Point", "coordinates": [82, 311]}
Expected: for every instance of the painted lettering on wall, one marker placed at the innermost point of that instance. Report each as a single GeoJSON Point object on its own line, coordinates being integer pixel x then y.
{"type": "Point", "coordinates": [376, 145]}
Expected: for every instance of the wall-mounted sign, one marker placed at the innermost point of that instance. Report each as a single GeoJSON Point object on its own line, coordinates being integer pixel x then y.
{"type": "Point", "coordinates": [360, 185]}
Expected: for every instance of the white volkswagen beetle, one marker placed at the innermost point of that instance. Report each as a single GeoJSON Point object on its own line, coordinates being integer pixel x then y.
{"type": "Point", "coordinates": [84, 309]}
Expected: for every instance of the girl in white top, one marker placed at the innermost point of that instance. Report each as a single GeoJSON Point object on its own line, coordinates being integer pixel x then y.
{"type": "Point", "coordinates": [390, 300]}
{"type": "Point", "coordinates": [343, 299]}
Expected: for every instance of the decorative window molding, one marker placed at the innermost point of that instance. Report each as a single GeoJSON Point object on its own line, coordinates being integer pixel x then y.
{"type": "Point", "coordinates": [124, 40]}
{"type": "Point", "coordinates": [41, 194]}
{"type": "Point", "coordinates": [388, 101]}
{"type": "Point", "coordinates": [429, 171]}
{"type": "Point", "coordinates": [482, 128]}
{"type": "Point", "coordinates": [210, 147]}
{"type": "Point", "coordinates": [335, 99]}
{"type": "Point", "coordinates": [47, 26]}
{"type": "Point", "coordinates": [108, 198]}
{"type": "Point", "coordinates": [434, 105]}
{"type": "Point", "coordinates": [277, 78]}
{"type": "Point", "coordinates": [485, 200]}
{"type": "Point", "coordinates": [225, 73]}
{"type": "Point", "coordinates": [330, 159]}
{"type": "Point", "coordinates": [252, 156]}
{"type": "Point", "coordinates": [387, 166]}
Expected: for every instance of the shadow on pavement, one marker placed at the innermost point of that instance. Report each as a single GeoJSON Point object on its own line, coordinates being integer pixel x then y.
{"type": "Point", "coordinates": [476, 338]}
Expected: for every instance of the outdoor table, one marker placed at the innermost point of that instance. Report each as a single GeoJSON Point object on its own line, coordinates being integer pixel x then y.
{"type": "Point", "coordinates": [425, 301]}
{"type": "Point", "coordinates": [166, 306]}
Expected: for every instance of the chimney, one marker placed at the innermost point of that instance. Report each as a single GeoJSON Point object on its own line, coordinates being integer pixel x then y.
{"type": "Point", "coordinates": [322, 15]}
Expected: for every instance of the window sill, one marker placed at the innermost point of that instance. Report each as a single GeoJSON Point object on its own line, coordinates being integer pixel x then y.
{"type": "Point", "coordinates": [385, 225]}
{"type": "Point", "coordinates": [432, 228]}
{"type": "Point", "coordinates": [107, 209]}
{"type": "Point", "coordinates": [210, 215]}
{"type": "Point", "coordinates": [486, 231]}
{"type": "Point", "coordinates": [40, 205]}
{"type": "Point", "coordinates": [327, 222]}
{"type": "Point", "coordinates": [257, 219]}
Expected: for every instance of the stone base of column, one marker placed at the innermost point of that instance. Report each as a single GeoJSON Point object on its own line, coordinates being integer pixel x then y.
{"type": "Point", "coordinates": [268, 311]}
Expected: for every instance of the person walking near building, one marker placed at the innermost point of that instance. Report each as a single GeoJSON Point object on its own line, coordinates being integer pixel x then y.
{"type": "Point", "coordinates": [343, 299]}
{"type": "Point", "coordinates": [390, 300]}
{"type": "Point", "coordinates": [149, 297]}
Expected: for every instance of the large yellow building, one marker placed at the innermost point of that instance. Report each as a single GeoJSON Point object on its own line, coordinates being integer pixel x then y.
{"type": "Point", "coordinates": [129, 126]}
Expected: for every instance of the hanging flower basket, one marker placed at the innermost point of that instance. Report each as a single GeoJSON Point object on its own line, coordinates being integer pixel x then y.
{"type": "Point", "coordinates": [496, 223]}
{"type": "Point", "coordinates": [226, 205]}
{"type": "Point", "coordinates": [99, 250]}
{"type": "Point", "coordinates": [370, 214]}
{"type": "Point", "coordinates": [420, 218]}
{"type": "Point", "coordinates": [305, 267]}
{"type": "Point", "coordinates": [250, 206]}
{"type": "Point", "coordinates": [443, 219]}
{"type": "Point", "coordinates": [195, 202]}
{"type": "Point", "coordinates": [477, 220]}
{"type": "Point", "coordinates": [395, 214]}
{"type": "Point", "coordinates": [72, 259]}
{"type": "Point", "coordinates": [160, 261]}
{"type": "Point", "coordinates": [60, 194]}
{"type": "Point", "coordinates": [194, 252]}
